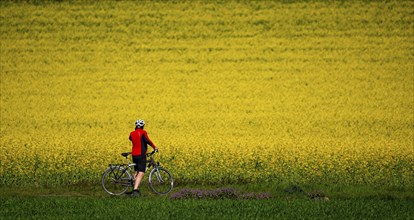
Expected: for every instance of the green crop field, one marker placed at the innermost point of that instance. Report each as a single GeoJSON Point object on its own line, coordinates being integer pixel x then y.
{"type": "Point", "coordinates": [283, 93]}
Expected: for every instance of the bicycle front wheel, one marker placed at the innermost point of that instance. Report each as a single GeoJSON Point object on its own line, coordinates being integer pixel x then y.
{"type": "Point", "coordinates": [161, 180]}
{"type": "Point", "coordinates": [116, 180]}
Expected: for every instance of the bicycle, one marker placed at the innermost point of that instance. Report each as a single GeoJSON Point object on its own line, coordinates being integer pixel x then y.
{"type": "Point", "coordinates": [117, 179]}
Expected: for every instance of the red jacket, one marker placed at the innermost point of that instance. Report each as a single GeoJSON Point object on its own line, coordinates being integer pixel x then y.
{"type": "Point", "coordinates": [140, 141]}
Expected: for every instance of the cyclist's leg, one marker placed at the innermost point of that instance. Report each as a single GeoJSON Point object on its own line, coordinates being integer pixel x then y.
{"type": "Point", "coordinates": [139, 170]}
{"type": "Point", "coordinates": [138, 177]}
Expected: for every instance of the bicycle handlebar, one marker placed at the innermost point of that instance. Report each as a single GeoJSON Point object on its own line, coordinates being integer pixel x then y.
{"type": "Point", "coordinates": [153, 152]}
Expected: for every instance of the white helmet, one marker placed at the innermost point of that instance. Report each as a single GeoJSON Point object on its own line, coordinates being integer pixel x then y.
{"type": "Point", "coordinates": [139, 123]}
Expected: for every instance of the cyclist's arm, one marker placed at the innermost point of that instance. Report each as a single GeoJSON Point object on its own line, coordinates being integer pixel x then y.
{"type": "Point", "coordinates": [149, 141]}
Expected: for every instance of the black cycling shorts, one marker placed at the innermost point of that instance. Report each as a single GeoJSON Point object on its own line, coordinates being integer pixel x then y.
{"type": "Point", "coordinates": [140, 163]}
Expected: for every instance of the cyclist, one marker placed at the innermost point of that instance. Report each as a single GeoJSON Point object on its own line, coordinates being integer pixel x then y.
{"type": "Point", "coordinates": [140, 141]}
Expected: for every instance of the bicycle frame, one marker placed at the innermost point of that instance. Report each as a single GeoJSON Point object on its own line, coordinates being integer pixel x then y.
{"type": "Point", "coordinates": [127, 167]}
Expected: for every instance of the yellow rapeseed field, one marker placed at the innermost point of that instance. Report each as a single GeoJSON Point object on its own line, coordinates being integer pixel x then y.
{"type": "Point", "coordinates": [231, 92]}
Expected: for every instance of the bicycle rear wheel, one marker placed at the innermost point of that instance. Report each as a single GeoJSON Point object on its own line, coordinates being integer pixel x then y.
{"type": "Point", "coordinates": [161, 180]}
{"type": "Point", "coordinates": [116, 180]}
